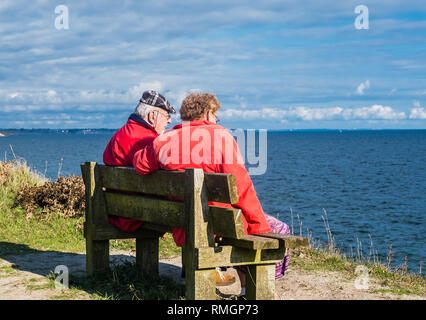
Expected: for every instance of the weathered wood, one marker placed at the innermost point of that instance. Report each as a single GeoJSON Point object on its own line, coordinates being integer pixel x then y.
{"type": "Point", "coordinates": [220, 187]}
{"type": "Point", "coordinates": [200, 284]}
{"type": "Point", "coordinates": [260, 282]}
{"type": "Point", "coordinates": [198, 222]}
{"type": "Point", "coordinates": [155, 227]}
{"type": "Point", "coordinates": [224, 256]}
{"type": "Point", "coordinates": [147, 255]}
{"type": "Point", "coordinates": [97, 252]}
{"type": "Point", "coordinates": [144, 208]}
{"type": "Point", "coordinates": [88, 173]}
{"type": "Point", "coordinates": [226, 222]}
{"type": "Point", "coordinates": [99, 210]}
{"type": "Point", "coordinates": [97, 256]}
{"type": "Point", "coordinates": [290, 241]}
{"type": "Point", "coordinates": [252, 242]}
{"type": "Point", "coordinates": [106, 232]}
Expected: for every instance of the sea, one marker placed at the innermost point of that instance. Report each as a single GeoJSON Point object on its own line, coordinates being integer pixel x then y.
{"type": "Point", "coordinates": [365, 189]}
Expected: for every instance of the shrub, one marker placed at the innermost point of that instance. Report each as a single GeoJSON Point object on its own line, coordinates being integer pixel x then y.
{"type": "Point", "coordinates": [64, 197]}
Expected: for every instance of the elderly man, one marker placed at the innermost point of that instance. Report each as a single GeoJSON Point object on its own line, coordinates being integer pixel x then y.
{"type": "Point", "coordinates": [147, 122]}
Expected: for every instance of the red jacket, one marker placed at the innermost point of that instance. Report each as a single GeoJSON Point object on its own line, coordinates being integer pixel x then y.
{"type": "Point", "coordinates": [133, 136]}
{"type": "Point", "coordinates": [212, 148]}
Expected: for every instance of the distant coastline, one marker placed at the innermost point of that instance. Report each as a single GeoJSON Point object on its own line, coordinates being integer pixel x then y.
{"type": "Point", "coordinates": [12, 132]}
{"type": "Point", "coordinates": [91, 131]}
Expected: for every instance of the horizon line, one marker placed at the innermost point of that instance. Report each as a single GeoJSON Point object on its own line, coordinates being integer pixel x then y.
{"type": "Point", "coordinates": [297, 129]}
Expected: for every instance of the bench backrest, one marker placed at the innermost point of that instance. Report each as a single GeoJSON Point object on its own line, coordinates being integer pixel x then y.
{"type": "Point", "coordinates": [161, 198]}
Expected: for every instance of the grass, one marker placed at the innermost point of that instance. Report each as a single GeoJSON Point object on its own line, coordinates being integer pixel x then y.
{"type": "Point", "coordinates": [125, 282]}
{"type": "Point", "coordinates": [122, 282]}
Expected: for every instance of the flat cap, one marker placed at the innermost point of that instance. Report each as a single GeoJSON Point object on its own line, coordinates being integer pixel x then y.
{"type": "Point", "coordinates": [155, 99]}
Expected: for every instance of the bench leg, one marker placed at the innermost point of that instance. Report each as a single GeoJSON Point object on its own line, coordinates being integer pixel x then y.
{"type": "Point", "coordinates": [200, 284]}
{"type": "Point", "coordinates": [260, 282]}
{"type": "Point", "coordinates": [147, 255]}
{"type": "Point", "coordinates": [97, 256]}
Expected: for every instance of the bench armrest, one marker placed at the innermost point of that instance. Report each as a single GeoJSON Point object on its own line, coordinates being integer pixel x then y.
{"type": "Point", "coordinates": [290, 241]}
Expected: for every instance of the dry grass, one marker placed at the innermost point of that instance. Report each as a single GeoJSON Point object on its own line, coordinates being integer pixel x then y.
{"type": "Point", "coordinates": [65, 197]}
{"type": "Point", "coordinates": [33, 192]}
{"type": "Point", "coordinates": [15, 174]}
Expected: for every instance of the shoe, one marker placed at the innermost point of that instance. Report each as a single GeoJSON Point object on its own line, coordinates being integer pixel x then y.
{"type": "Point", "coordinates": [223, 279]}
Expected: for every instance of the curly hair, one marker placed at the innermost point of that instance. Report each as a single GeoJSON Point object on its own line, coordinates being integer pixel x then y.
{"type": "Point", "coordinates": [196, 105]}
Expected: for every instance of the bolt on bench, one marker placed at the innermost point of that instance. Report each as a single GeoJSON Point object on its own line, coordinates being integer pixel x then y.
{"type": "Point", "coordinates": [122, 192]}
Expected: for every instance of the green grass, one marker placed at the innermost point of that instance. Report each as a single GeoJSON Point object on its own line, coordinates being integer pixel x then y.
{"type": "Point", "coordinates": [7, 270]}
{"type": "Point", "coordinates": [53, 232]}
{"type": "Point", "coordinates": [125, 282]}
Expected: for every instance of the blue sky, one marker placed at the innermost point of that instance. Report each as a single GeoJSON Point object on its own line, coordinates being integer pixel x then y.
{"type": "Point", "coordinates": [272, 64]}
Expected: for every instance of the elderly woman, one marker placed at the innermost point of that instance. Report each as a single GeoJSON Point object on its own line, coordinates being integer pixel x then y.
{"type": "Point", "coordinates": [199, 142]}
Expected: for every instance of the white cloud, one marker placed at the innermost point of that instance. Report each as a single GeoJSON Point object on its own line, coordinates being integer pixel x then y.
{"type": "Point", "coordinates": [363, 86]}
{"type": "Point", "coordinates": [315, 113]}
{"type": "Point", "coordinates": [375, 112]}
{"type": "Point", "coordinates": [243, 114]}
{"type": "Point", "coordinates": [135, 92]}
{"type": "Point", "coordinates": [418, 113]}
{"type": "Point", "coordinates": [14, 95]}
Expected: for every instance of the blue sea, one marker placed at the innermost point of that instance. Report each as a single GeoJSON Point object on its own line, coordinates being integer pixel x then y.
{"type": "Point", "coordinates": [369, 185]}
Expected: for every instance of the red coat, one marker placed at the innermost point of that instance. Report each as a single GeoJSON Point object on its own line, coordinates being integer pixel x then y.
{"type": "Point", "coordinates": [201, 149]}
{"type": "Point", "coordinates": [133, 136]}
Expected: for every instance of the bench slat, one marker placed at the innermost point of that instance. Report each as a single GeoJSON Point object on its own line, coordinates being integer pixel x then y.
{"type": "Point", "coordinates": [224, 256]}
{"type": "Point", "coordinates": [227, 222]}
{"type": "Point", "coordinates": [165, 212]}
{"type": "Point", "coordinates": [221, 187]}
{"type": "Point", "coordinates": [252, 242]}
{"type": "Point", "coordinates": [290, 241]}
{"type": "Point", "coordinates": [106, 232]}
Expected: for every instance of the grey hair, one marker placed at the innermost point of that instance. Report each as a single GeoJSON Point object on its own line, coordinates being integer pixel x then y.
{"type": "Point", "coordinates": [143, 109]}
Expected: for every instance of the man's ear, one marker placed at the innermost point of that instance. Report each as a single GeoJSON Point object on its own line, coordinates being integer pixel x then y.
{"type": "Point", "coordinates": [151, 117]}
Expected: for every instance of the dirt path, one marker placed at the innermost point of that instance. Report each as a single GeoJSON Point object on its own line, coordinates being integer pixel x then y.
{"type": "Point", "coordinates": [25, 277]}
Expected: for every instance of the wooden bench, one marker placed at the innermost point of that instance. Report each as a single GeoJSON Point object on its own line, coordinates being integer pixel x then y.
{"type": "Point", "coordinates": [122, 192]}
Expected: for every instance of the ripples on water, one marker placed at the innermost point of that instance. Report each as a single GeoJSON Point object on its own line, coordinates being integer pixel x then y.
{"type": "Point", "coordinates": [369, 182]}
